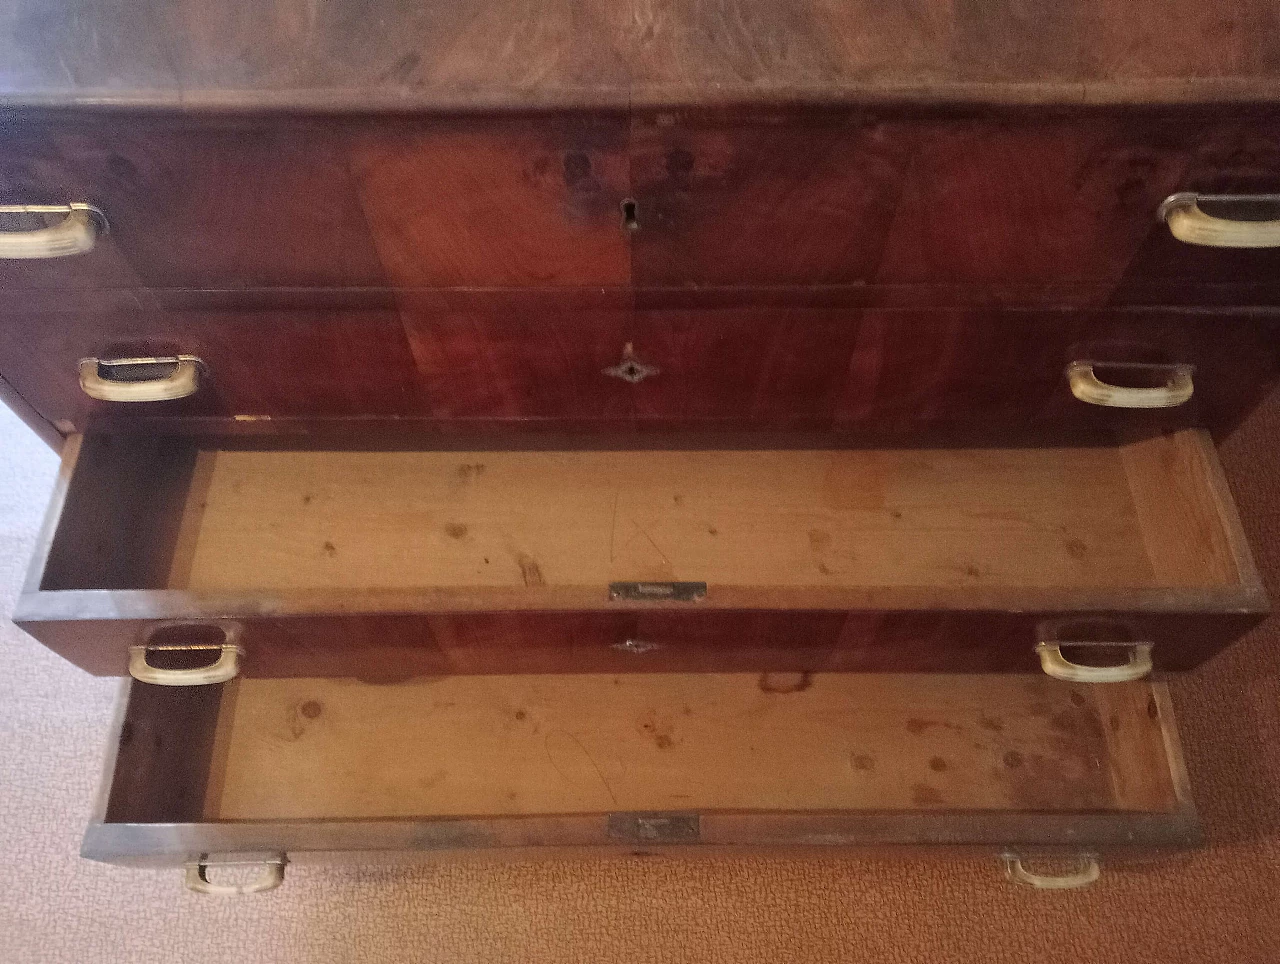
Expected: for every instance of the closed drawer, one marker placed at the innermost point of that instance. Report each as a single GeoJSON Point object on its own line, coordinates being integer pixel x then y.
{"type": "Point", "coordinates": [316, 769]}
{"type": "Point", "coordinates": [380, 563]}
{"type": "Point", "coordinates": [1010, 202]}
{"type": "Point", "coordinates": [231, 203]}
{"type": "Point", "coordinates": [553, 363]}
{"type": "Point", "coordinates": [1063, 209]}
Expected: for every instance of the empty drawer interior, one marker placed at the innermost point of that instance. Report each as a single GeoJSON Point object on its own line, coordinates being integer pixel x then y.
{"type": "Point", "coordinates": [531, 746]}
{"type": "Point", "coordinates": [511, 529]}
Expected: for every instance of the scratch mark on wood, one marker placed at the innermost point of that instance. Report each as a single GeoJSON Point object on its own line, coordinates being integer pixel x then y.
{"type": "Point", "coordinates": [652, 543]}
{"type": "Point", "coordinates": [546, 746]}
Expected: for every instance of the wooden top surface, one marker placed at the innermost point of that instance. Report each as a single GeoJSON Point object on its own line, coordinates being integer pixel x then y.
{"type": "Point", "coordinates": [518, 54]}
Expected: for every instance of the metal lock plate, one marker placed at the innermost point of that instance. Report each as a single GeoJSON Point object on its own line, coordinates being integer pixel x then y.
{"type": "Point", "coordinates": [658, 591]}
{"type": "Point", "coordinates": [655, 828]}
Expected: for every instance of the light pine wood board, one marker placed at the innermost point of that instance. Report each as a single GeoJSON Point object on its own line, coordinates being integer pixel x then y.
{"type": "Point", "coordinates": [541, 521]}
{"type": "Point", "coordinates": [504, 745]}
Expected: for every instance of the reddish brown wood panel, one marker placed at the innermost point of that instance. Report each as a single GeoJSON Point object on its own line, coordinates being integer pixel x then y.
{"type": "Point", "coordinates": [997, 201]}
{"type": "Point", "coordinates": [279, 202]}
{"type": "Point", "coordinates": [559, 365]}
{"type": "Point", "coordinates": [1032, 203]}
{"type": "Point", "coordinates": [758, 368]}
{"type": "Point", "coordinates": [219, 204]}
{"type": "Point", "coordinates": [1229, 157]}
{"type": "Point", "coordinates": [515, 202]}
{"type": "Point", "coordinates": [822, 368]}
{"type": "Point", "coordinates": [487, 54]}
{"type": "Point", "coordinates": [279, 364]}
{"type": "Point", "coordinates": [392, 647]}
{"type": "Point", "coordinates": [928, 199]}
{"type": "Point", "coordinates": [768, 201]}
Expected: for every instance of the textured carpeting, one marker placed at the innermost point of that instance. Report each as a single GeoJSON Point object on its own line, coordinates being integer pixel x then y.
{"type": "Point", "coordinates": [1220, 904]}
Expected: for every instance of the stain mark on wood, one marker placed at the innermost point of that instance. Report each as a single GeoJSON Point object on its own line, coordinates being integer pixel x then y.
{"type": "Point", "coordinates": [923, 795]}
{"type": "Point", "coordinates": [992, 723]}
{"type": "Point", "coordinates": [530, 571]}
{"type": "Point", "coordinates": [917, 726]}
{"type": "Point", "coordinates": [785, 682]}
{"type": "Point", "coordinates": [819, 540]}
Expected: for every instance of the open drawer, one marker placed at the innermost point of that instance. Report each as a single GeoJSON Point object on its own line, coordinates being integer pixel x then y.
{"type": "Point", "coordinates": [294, 769]}
{"type": "Point", "coordinates": [279, 560]}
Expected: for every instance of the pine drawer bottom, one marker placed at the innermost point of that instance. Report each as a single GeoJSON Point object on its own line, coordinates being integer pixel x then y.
{"type": "Point", "coordinates": [278, 770]}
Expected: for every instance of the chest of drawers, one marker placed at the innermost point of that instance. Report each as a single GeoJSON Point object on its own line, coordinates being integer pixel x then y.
{"type": "Point", "coordinates": [636, 425]}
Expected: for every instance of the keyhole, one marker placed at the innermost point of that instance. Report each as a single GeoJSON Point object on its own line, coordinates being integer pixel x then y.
{"type": "Point", "coordinates": [629, 222]}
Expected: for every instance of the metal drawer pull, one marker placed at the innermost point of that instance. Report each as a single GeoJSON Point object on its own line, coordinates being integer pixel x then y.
{"type": "Point", "coordinates": [77, 233]}
{"type": "Point", "coordinates": [1088, 873]}
{"type": "Point", "coordinates": [1088, 387]}
{"type": "Point", "coordinates": [1059, 667]}
{"type": "Point", "coordinates": [159, 379]}
{"type": "Point", "coordinates": [224, 668]}
{"type": "Point", "coordinates": [1191, 225]}
{"type": "Point", "coordinates": [272, 876]}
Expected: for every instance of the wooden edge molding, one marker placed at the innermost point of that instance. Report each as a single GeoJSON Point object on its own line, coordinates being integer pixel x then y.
{"type": "Point", "coordinates": [30, 417]}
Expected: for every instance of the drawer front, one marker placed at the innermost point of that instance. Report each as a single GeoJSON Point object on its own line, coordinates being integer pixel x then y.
{"type": "Point", "coordinates": [277, 771]}
{"type": "Point", "coordinates": [1059, 210]}
{"type": "Point", "coordinates": [1004, 202]}
{"type": "Point", "coordinates": [298, 559]}
{"type": "Point", "coordinates": [227, 204]}
{"type": "Point", "coordinates": [784, 646]}
{"type": "Point", "coordinates": [600, 367]}
{"type": "Point", "coordinates": [284, 364]}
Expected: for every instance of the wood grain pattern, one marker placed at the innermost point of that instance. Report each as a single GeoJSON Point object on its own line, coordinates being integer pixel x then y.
{"type": "Point", "coordinates": [538, 363]}
{"type": "Point", "coordinates": [352, 363]}
{"type": "Point", "coordinates": [794, 525]}
{"type": "Point", "coordinates": [928, 197]}
{"type": "Point", "coordinates": [281, 202]}
{"type": "Point", "coordinates": [471, 521]}
{"type": "Point", "coordinates": [477, 54]}
{"type": "Point", "coordinates": [504, 745]}
{"type": "Point", "coordinates": [765, 201]}
{"type": "Point", "coordinates": [388, 647]}
{"type": "Point", "coordinates": [948, 620]}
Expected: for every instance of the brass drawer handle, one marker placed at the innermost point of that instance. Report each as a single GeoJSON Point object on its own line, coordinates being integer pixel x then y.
{"type": "Point", "coordinates": [158, 379]}
{"type": "Point", "coordinates": [1191, 225]}
{"type": "Point", "coordinates": [224, 668]}
{"type": "Point", "coordinates": [1087, 873]}
{"type": "Point", "coordinates": [76, 233]}
{"type": "Point", "coordinates": [1059, 667]}
{"type": "Point", "coordinates": [271, 877]}
{"type": "Point", "coordinates": [1088, 387]}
